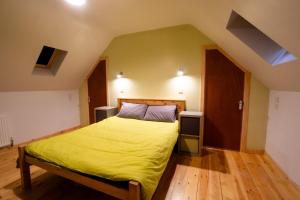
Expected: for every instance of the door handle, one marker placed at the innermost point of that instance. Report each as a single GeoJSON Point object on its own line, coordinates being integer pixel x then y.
{"type": "Point", "coordinates": [241, 104]}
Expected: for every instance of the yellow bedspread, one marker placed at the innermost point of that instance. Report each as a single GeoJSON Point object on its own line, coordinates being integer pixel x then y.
{"type": "Point", "coordinates": [117, 149]}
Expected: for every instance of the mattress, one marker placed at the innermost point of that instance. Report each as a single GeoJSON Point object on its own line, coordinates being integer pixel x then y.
{"type": "Point", "coordinates": [116, 148]}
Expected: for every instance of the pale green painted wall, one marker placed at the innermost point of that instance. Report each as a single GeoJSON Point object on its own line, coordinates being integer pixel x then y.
{"type": "Point", "coordinates": [150, 60]}
{"type": "Point", "coordinates": [83, 103]}
{"type": "Point", "coordinates": [258, 115]}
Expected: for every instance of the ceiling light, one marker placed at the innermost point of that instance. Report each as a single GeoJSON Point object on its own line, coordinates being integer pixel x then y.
{"type": "Point", "coordinates": [76, 2]}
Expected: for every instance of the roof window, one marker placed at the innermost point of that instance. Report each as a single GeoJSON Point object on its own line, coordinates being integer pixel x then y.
{"type": "Point", "coordinates": [263, 45]}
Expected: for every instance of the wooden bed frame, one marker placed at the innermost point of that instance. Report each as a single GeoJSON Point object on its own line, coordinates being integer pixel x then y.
{"type": "Point", "coordinates": [134, 188]}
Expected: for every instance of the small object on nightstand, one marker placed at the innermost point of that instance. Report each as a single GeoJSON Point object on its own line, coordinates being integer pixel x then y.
{"type": "Point", "coordinates": [104, 112]}
{"type": "Point", "coordinates": [190, 138]}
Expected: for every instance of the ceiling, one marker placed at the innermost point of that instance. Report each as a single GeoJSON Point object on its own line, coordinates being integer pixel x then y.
{"type": "Point", "coordinates": [86, 31]}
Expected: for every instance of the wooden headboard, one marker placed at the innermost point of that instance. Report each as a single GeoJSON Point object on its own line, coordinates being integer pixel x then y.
{"type": "Point", "coordinates": [180, 104]}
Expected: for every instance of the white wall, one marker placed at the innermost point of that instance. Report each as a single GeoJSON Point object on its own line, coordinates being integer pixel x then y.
{"type": "Point", "coordinates": [34, 24]}
{"type": "Point", "coordinates": [37, 113]}
{"type": "Point", "coordinates": [283, 132]}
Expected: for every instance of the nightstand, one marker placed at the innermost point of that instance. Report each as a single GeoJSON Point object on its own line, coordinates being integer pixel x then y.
{"type": "Point", "coordinates": [104, 112]}
{"type": "Point", "coordinates": [190, 137]}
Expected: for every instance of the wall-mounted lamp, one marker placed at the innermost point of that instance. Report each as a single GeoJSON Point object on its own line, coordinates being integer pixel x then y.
{"type": "Point", "coordinates": [180, 72]}
{"type": "Point", "coordinates": [120, 75]}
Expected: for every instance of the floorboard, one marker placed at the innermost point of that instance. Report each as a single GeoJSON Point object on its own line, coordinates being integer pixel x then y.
{"type": "Point", "coordinates": [217, 174]}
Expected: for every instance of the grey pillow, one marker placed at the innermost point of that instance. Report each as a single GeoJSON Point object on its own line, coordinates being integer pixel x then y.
{"type": "Point", "coordinates": [132, 110]}
{"type": "Point", "coordinates": [161, 113]}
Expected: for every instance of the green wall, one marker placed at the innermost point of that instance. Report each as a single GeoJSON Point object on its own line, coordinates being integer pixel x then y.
{"type": "Point", "coordinates": [258, 115]}
{"type": "Point", "coordinates": [150, 60]}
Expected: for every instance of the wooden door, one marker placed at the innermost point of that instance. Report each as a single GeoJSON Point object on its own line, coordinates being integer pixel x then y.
{"type": "Point", "coordinates": [223, 102]}
{"type": "Point", "coordinates": [97, 89]}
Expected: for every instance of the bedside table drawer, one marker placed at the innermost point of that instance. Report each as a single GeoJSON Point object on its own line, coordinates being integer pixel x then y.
{"type": "Point", "coordinates": [190, 125]}
{"type": "Point", "coordinates": [189, 144]}
{"type": "Point", "coordinates": [101, 115]}
{"type": "Point", "coordinates": [104, 112]}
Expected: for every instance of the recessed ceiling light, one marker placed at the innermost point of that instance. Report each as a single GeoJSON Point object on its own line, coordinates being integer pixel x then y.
{"type": "Point", "coordinates": [76, 2]}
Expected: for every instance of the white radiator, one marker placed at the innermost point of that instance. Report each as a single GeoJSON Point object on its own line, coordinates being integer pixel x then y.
{"type": "Point", "coordinates": [5, 137]}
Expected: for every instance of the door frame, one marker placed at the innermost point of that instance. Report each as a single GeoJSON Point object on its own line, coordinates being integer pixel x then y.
{"type": "Point", "coordinates": [247, 79]}
{"type": "Point", "coordinates": [107, 82]}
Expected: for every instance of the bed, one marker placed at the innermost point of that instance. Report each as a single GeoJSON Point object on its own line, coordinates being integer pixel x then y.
{"type": "Point", "coordinates": [105, 154]}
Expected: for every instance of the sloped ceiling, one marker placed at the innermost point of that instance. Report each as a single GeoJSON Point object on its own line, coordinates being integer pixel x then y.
{"type": "Point", "coordinates": [86, 31]}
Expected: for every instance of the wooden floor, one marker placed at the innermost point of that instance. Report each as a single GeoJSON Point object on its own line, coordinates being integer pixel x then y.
{"type": "Point", "coordinates": [215, 175]}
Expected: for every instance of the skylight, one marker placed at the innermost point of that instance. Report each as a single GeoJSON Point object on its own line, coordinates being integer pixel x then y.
{"type": "Point", "coordinates": [45, 56]}
{"type": "Point", "coordinates": [49, 61]}
{"type": "Point", "coordinates": [263, 45]}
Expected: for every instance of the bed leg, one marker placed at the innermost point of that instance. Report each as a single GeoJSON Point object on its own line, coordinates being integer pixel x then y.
{"type": "Point", "coordinates": [134, 190]}
{"type": "Point", "coordinates": [24, 169]}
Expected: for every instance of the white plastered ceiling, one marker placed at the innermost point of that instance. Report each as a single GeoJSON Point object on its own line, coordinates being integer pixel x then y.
{"type": "Point", "coordinates": [86, 31]}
